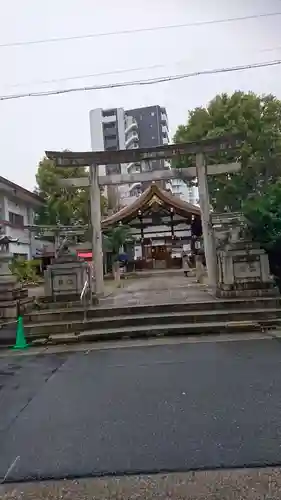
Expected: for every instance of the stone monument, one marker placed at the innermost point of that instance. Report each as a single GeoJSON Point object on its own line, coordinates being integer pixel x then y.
{"type": "Point", "coordinates": [66, 276]}
{"type": "Point", "coordinates": [12, 293]}
{"type": "Point", "coordinates": [243, 267]}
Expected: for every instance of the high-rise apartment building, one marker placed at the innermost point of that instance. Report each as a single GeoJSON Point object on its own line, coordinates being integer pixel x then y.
{"type": "Point", "coordinates": [153, 129]}
{"type": "Point", "coordinates": [114, 129]}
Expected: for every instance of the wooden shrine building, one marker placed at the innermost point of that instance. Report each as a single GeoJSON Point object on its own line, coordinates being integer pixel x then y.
{"type": "Point", "coordinates": [163, 228]}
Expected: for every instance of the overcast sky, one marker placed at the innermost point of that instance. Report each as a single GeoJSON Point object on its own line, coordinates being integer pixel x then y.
{"type": "Point", "coordinates": [29, 126]}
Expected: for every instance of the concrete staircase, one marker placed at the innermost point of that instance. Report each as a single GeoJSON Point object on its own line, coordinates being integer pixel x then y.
{"type": "Point", "coordinates": [69, 323]}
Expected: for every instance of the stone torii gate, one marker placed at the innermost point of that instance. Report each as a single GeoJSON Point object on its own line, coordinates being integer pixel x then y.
{"type": "Point", "coordinates": [173, 151]}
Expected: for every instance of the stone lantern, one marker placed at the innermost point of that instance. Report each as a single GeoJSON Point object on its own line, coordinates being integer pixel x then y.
{"type": "Point", "coordinates": [6, 275]}
{"type": "Point", "coordinates": [12, 293]}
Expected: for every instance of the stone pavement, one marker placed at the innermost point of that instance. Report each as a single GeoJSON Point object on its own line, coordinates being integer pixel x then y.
{"type": "Point", "coordinates": [162, 288]}
{"type": "Point", "coordinates": [245, 484]}
{"type": "Point", "coordinates": [158, 290]}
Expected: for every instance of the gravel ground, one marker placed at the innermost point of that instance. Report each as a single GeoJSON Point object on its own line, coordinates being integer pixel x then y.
{"type": "Point", "coordinates": [243, 484]}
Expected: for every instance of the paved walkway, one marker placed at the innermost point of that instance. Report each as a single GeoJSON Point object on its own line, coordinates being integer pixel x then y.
{"type": "Point", "coordinates": [158, 290]}
{"type": "Point", "coordinates": [161, 288]}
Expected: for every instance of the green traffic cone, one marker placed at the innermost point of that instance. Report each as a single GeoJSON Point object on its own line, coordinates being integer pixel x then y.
{"type": "Point", "coordinates": [20, 336]}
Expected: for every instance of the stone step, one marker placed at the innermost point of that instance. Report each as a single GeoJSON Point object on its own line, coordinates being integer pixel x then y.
{"type": "Point", "coordinates": [36, 330]}
{"type": "Point", "coordinates": [218, 327]}
{"type": "Point", "coordinates": [77, 312]}
{"type": "Point", "coordinates": [169, 329]}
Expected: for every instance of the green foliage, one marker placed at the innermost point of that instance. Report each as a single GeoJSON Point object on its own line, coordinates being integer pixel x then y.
{"type": "Point", "coordinates": [24, 270]}
{"type": "Point", "coordinates": [115, 238]}
{"type": "Point", "coordinates": [264, 216]}
{"type": "Point", "coordinates": [258, 118]}
{"type": "Point", "coordinates": [63, 206]}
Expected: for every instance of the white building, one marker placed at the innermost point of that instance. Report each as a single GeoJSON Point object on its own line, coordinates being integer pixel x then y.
{"type": "Point", "coordinates": [185, 192]}
{"type": "Point", "coordinates": [17, 208]}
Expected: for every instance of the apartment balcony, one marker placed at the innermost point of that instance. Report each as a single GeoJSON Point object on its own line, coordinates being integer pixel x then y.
{"type": "Point", "coordinates": [135, 189]}
{"type": "Point", "coordinates": [110, 133]}
{"type": "Point", "coordinates": [110, 144]}
{"type": "Point", "coordinates": [130, 125]}
{"type": "Point", "coordinates": [165, 140]}
{"type": "Point", "coordinates": [165, 131]}
{"type": "Point", "coordinates": [167, 164]}
{"type": "Point", "coordinates": [164, 120]}
{"type": "Point", "coordinates": [109, 119]}
{"type": "Point", "coordinates": [133, 168]}
{"type": "Point", "coordinates": [133, 138]}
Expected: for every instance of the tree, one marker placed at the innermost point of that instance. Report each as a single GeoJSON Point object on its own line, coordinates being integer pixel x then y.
{"type": "Point", "coordinates": [258, 118]}
{"type": "Point", "coordinates": [63, 206]}
{"type": "Point", "coordinates": [264, 216]}
{"type": "Point", "coordinates": [24, 270]}
{"type": "Point", "coordinates": [264, 219]}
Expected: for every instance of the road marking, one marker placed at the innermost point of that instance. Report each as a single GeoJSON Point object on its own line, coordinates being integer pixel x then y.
{"type": "Point", "coordinates": [12, 466]}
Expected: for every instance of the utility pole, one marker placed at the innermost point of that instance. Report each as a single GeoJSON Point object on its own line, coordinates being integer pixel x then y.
{"type": "Point", "coordinates": [97, 252]}
{"type": "Point", "coordinates": [207, 228]}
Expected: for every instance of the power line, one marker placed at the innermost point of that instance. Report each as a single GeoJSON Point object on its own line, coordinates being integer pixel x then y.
{"type": "Point", "coordinates": [138, 30]}
{"type": "Point", "coordinates": [150, 81]}
{"type": "Point", "coordinates": [114, 72]}
{"type": "Point", "coordinates": [91, 75]}
{"type": "Point", "coordinates": [271, 49]}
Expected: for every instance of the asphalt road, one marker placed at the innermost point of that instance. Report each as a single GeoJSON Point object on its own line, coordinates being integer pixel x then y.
{"type": "Point", "coordinates": [168, 408]}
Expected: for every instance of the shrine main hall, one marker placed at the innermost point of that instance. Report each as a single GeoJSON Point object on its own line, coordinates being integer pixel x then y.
{"type": "Point", "coordinates": [163, 228]}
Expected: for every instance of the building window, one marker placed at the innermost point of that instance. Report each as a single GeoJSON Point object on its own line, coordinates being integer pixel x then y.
{"type": "Point", "coordinates": [108, 112]}
{"type": "Point", "coordinates": [109, 125]}
{"type": "Point", "coordinates": [111, 136]}
{"type": "Point", "coordinates": [16, 219]}
{"type": "Point", "coordinates": [152, 113]}
{"type": "Point", "coordinates": [20, 255]}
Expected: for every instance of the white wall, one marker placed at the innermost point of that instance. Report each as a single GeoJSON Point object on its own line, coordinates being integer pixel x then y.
{"type": "Point", "coordinates": [96, 133]}
{"type": "Point", "coordinates": [161, 232]}
{"type": "Point", "coordinates": [22, 249]}
{"type": "Point", "coordinates": [182, 190]}
{"type": "Point", "coordinates": [23, 235]}
{"type": "Point", "coordinates": [17, 208]}
{"type": "Point", "coordinates": [121, 127]}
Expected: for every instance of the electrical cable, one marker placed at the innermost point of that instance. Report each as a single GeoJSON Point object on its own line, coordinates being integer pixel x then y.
{"type": "Point", "coordinates": [150, 81]}
{"type": "Point", "coordinates": [114, 72]}
{"type": "Point", "coordinates": [104, 73]}
{"type": "Point", "coordinates": [138, 30]}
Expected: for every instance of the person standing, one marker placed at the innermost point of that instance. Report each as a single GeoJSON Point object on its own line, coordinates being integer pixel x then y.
{"type": "Point", "coordinates": [185, 264]}
{"type": "Point", "coordinates": [199, 267]}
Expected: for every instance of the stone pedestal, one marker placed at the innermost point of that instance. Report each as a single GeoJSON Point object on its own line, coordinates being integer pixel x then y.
{"type": "Point", "coordinates": [243, 267]}
{"type": "Point", "coordinates": [12, 294]}
{"type": "Point", "coordinates": [65, 278]}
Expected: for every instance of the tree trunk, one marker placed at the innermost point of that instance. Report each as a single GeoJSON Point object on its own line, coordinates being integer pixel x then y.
{"type": "Point", "coordinates": [116, 271]}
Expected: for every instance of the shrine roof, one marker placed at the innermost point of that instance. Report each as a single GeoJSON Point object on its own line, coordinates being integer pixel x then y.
{"type": "Point", "coordinates": [153, 194]}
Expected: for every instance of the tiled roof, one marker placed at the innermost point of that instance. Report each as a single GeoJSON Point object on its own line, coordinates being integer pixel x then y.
{"type": "Point", "coordinates": [131, 211]}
